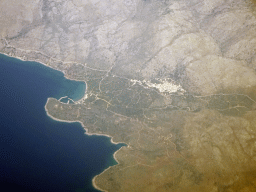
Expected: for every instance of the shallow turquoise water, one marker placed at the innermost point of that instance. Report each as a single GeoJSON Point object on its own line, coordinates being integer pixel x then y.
{"type": "Point", "coordinates": [38, 153]}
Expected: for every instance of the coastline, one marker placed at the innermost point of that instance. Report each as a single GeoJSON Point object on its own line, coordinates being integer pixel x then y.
{"type": "Point", "coordinates": [90, 134]}
{"type": "Point", "coordinates": [94, 178]}
{"type": "Point", "coordinates": [66, 121]}
{"type": "Point", "coordinates": [20, 58]}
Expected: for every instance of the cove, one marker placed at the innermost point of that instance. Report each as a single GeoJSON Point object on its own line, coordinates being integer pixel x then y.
{"type": "Point", "coordinates": [38, 153]}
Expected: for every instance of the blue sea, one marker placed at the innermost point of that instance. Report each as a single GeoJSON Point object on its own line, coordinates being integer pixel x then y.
{"type": "Point", "coordinates": [37, 153]}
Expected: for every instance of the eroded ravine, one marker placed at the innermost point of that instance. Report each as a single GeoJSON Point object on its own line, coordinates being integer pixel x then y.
{"type": "Point", "coordinates": [132, 56]}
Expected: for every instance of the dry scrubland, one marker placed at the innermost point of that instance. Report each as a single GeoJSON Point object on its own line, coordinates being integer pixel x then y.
{"type": "Point", "coordinates": [173, 79]}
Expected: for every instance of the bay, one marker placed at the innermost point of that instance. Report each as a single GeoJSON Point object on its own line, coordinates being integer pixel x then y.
{"type": "Point", "coordinates": [36, 152]}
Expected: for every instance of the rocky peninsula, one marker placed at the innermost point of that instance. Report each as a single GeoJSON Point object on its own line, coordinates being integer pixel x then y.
{"type": "Point", "coordinates": [174, 80]}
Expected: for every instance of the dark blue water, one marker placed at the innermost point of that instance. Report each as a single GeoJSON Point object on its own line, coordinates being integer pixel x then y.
{"type": "Point", "coordinates": [36, 152]}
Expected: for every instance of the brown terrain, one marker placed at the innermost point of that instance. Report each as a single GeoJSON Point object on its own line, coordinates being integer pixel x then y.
{"type": "Point", "coordinates": [175, 80]}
